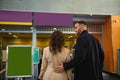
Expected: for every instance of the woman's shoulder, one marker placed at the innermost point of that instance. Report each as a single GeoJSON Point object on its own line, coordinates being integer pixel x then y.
{"type": "Point", "coordinates": [46, 51]}
{"type": "Point", "coordinates": [46, 48]}
{"type": "Point", "coordinates": [66, 49]}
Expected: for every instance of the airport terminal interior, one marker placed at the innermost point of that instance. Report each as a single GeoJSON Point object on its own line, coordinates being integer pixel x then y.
{"type": "Point", "coordinates": [24, 35]}
{"type": "Point", "coordinates": [31, 30]}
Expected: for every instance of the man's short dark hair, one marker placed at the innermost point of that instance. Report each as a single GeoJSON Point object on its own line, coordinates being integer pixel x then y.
{"type": "Point", "coordinates": [80, 22]}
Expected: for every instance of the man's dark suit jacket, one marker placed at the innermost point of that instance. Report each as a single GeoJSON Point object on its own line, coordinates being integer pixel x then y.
{"type": "Point", "coordinates": [88, 59]}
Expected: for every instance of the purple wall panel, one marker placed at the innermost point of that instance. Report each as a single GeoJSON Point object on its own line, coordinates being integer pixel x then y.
{"type": "Point", "coordinates": [53, 19]}
{"type": "Point", "coordinates": [15, 16]}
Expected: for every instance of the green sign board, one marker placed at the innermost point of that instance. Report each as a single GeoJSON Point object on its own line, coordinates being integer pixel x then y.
{"type": "Point", "coordinates": [19, 61]}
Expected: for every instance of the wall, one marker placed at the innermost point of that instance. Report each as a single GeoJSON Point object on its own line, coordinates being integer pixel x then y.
{"type": "Point", "coordinates": [14, 41]}
{"type": "Point", "coordinates": [69, 6]}
{"type": "Point", "coordinates": [41, 43]}
{"type": "Point", "coordinates": [111, 43]}
{"type": "Point", "coordinates": [108, 48]}
{"type": "Point", "coordinates": [115, 39]}
{"type": "Point", "coordinates": [99, 37]}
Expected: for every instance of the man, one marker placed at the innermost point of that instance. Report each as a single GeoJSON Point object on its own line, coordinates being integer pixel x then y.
{"type": "Point", "coordinates": [88, 59]}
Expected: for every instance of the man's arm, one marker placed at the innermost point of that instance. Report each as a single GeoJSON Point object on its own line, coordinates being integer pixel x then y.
{"type": "Point", "coordinates": [80, 54]}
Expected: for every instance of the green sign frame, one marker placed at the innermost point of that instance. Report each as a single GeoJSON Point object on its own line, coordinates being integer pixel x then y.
{"type": "Point", "coordinates": [19, 61]}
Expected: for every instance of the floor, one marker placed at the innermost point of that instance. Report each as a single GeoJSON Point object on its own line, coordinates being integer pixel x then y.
{"type": "Point", "coordinates": [106, 77]}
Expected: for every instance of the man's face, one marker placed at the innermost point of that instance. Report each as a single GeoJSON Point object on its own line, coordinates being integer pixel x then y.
{"type": "Point", "coordinates": [77, 28]}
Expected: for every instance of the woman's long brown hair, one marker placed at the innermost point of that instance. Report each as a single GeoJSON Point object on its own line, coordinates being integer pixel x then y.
{"type": "Point", "coordinates": [56, 42]}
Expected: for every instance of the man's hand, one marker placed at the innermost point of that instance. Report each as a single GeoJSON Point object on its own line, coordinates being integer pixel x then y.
{"type": "Point", "coordinates": [59, 68]}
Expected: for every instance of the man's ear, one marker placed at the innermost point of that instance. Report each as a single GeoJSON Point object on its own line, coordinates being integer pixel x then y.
{"type": "Point", "coordinates": [79, 29]}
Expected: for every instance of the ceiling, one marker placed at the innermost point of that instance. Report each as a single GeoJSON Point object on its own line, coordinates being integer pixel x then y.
{"type": "Point", "coordinates": [90, 18]}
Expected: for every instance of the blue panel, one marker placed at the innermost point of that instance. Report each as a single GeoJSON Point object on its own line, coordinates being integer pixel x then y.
{"type": "Point", "coordinates": [36, 56]}
{"type": "Point", "coordinates": [118, 61]}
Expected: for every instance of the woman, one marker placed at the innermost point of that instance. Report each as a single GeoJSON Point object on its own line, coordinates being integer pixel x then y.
{"type": "Point", "coordinates": [53, 56]}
